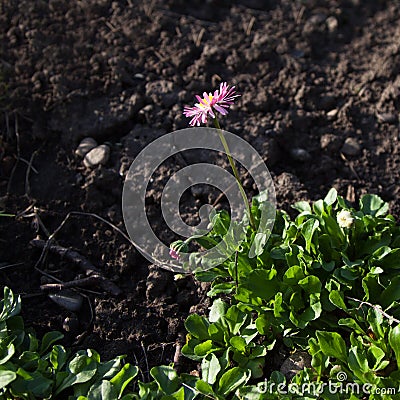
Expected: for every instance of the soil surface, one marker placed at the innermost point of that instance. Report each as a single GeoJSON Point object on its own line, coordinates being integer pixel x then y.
{"type": "Point", "coordinates": [320, 85]}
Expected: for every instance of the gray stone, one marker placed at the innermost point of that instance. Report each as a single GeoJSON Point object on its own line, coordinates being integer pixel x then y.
{"type": "Point", "coordinates": [85, 146]}
{"type": "Point", "coordinates": [300, 154]}
{"type": "Point", "coordinates": [98, 155]}
{"type": "Point", "coordinates": [351, 147]}
{"type": "Point", "coordinates": [295, 363]}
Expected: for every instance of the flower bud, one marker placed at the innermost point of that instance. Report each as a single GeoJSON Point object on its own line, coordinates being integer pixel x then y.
{"type": "Point", "coordinates": [177, 247]}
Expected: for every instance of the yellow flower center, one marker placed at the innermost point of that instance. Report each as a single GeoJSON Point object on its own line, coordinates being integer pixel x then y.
{"type": "Point", "coordinates": [205, 102]}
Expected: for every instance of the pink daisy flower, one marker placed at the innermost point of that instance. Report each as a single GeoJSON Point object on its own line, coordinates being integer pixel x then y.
{"type": "Point", "coordinates": [219, 101]}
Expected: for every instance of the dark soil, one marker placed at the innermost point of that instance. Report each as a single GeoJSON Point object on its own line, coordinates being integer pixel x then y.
{"type": "Point", "coordinates": [312, 74]}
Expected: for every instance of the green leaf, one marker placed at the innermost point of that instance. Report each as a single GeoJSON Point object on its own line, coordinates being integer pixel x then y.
{"type": "Point", "coordinates": [232, 379]}
{"type": "Point", "coordinates": [319, 207]}
{"type": "Point", "coordinates": [210, 368]}
{"type": "Point", "coordinates": [376, 354]}
{"type": "Point", "coordinates": [6, 351]}
{"type": "Point", "coordinates": [82, 368]}
{"type": "Point", "coordinates": [391, 259]}
{"type": "Point", "coordinates": [391, 293]}
{"type": "Point", "coordinates": [33, 383]}
{"type": "Point", "coordinates": [108, 369]}
{"type": "Point", "coordinates": [217, 310]}
{"type": "Point", "coordinates": [352, 324]}
{"type": "Point", "coordinates": [216, 331]}
{"type": "Point", "coordinates": [129, 396]}
{"type": "Point", "coordinates": [375, 320]}
{"type": "Point", "coordinates": [224, 287]}
{"type": "Point", "coordinates": [178, 395]}
{"type": "Point", "coordinates": [15, 324]}
{"type": "Point", "coordinates": [204, 388]}
{"type": "Point", "coordinates": [336, 297]}
{"type": "Point", "coordinates": [235, 319]}
{"type": "Point", "coordinates": [189, 386]}
{"type": "Point", "coordinates": [33, 342]}
{"type": "Point", "coordinates": [310, 284]}
{"type": "Point", "coordinates": [332, 345]}
{"type": "Point", "coordinates": [166, 378]}
{"type": "Point", "coordinates": [209, 275]}
{"type": "Point", "coordinates": [122, 378]}
{"type": "Point", "coordinates": [238, 343]}
{"type": "Point", "coordinates": [58, 357]}
{"type": "Point", "coordinates": [278, 307]}
{"type": "Point", "coordinates": [257, 248]}
{"type": "Point", "coordinates": [252, 392]}
{"type": "Point", "coordinates": [6, 377]}
{"type": "Point", "coordinates": [371, 204]}
{"type": "Point", "coordinates": [48, 339]}
{"type": "Point", "coordinates": [358, 362]}
{"type": "Point", "coordinates": [30, 360]}
{"type": "Point", "coordinates": [262, 283]}
{"type": "Point", "coordinates": [204, 348]}
{"type": "Point", "coordinates": [256, 367]}
{"type": "Point", "coordinates": [263, 324]}
{"type": "Point", "coordinates": [394, 342]}
{"type": "Point", "coordinates": [188, 349]}
{"type": "Point", "coordinates": [293, 275]}
{"type": "Point", "coordinates": [103, 390]}
{"type": "Point", "coordinates": [197, 326]}
{"type": "Point", "coordinates": [307, 230]}
{"type": "Point", "coordinates": [10, 305]}
{"type": "Point", "coordinates": [331, 197]}
{"type": "Point", "coordinates": [302, 206]}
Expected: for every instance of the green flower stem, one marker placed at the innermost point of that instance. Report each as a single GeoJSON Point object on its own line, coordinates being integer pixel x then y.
{"type": "Point", "coordinates": [235, 172]}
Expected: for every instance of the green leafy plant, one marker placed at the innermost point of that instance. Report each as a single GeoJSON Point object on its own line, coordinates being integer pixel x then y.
{"type": "Point", "coordinates": [325, 282]}
{"type": "Point", "coordinates": [31, 369]}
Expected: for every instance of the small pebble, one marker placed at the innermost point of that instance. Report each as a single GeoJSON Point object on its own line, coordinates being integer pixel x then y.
{"type": "Point", "coordinates": [351, 147]}
{"type": "Point", "coordinates": [300, 154]}
{"type": "Point", "coordinates": [85, 146]}
{"type": "Point", "coordinates": [332, 24]}
{"type": "Point", "coordinates": [96, 156]}
{"type": "Point", "coordinates": [332, 113]}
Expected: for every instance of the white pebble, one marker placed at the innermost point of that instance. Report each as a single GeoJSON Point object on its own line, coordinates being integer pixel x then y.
{"type": "Point", "coordinates": [98, 155]}
{"type": "Point", "coordinates": [85, 146]}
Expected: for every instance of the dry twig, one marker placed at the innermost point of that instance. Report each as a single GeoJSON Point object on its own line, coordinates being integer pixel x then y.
{"type": "Point", "coordinates": [90, 270]}
{"type": "Point", "coordinates": [376, 308]}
